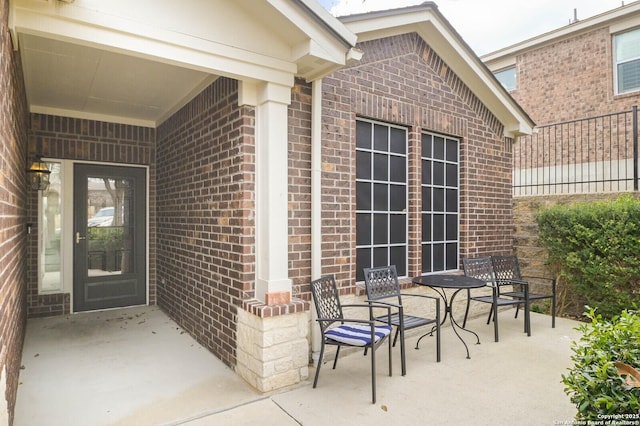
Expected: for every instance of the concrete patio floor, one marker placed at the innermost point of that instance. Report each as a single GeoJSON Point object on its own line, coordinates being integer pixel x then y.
{"type": "Point", "coordinates": [137, 367]}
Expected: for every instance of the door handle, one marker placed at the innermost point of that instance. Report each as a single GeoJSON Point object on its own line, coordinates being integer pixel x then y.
{"type": "Point", "coordinates": [78, 238]}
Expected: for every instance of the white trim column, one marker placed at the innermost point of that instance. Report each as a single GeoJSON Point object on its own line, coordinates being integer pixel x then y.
{"type": "Point", "coordinates": [273, 285]}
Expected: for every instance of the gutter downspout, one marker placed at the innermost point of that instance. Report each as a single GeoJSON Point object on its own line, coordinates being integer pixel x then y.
{"type": "Point", "coordinates": [316, 205]}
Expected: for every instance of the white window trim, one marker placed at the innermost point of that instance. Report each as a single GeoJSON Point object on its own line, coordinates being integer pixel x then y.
{"type": "Point", "coordinates": [615, 63]}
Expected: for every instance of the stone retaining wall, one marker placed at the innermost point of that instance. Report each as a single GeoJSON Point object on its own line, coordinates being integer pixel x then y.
{"type": "Point", "coordinates": [531, 255]}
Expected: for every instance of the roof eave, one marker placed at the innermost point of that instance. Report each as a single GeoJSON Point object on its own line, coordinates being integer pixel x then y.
{"type": "Point", "coordinates": [620, 13]}
{"type": "Point", "coordinates": [432, 26]}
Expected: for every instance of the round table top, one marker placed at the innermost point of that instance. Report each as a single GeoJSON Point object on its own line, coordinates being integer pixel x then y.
{"type": "Point", "coordinates": [448, 281]}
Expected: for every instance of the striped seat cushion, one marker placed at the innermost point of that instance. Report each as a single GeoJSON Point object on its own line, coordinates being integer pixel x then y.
{"type": "Point", "coordinates": [357, 335]}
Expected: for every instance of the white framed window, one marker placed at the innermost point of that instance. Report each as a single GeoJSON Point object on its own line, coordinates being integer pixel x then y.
{"type": "Point", "coordinates": [626, 51]}
{"type": "Point", "coordinates": [507, 78]}
{"type": "Point", "coordinates": [381, 196]}
{"type": "Point", "coordinates": [440, 203]}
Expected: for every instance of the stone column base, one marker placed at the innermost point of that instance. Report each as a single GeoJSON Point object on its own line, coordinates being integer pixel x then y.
{"type": "Point", "coordinates": [273, 345]}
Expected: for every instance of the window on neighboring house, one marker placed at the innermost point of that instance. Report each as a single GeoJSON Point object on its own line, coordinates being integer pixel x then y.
{"type": "Point", "coordinates": [627, 61]}
{"type": "Point", "coordinates": [440, 201]}
{"type": "Point", "coordinates": [507, 78]}
{"type": "Point", "coordinates": [381, 196]}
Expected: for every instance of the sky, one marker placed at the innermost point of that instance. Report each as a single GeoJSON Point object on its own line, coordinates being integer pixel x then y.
{"type": "Point", "coordinates": [489, 25]}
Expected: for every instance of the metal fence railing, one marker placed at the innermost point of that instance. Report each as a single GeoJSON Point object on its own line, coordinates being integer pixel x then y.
{"type": "Point", "coordinates": [596, 154]}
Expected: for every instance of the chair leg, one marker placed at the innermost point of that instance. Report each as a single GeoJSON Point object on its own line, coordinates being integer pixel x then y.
{"type": "Point", "coordinates": [517, 310]}
{"type": "Point", "coordinates": [395, 337]}
{"type": "Point", "coordinates": [438, 351]}
{"type": "Point", "coordinates": [390, 358]}
{"type": "Point", "coordinates": [553, 311]}
{"type": "Point", "coordinates": [373, 375]}
{"type": "Point", "coordinates": [494, 308]}
{"type": "Point", "coordinates": [335, 360]}
{"type": "Point", "coordinates": [315, 381]}
{"type": "Point", "coordinates": [527, 315]}
{"type": "Point", "coordinates": [490, 314]}
{"type": "Point", "coordinates": [402, 353]}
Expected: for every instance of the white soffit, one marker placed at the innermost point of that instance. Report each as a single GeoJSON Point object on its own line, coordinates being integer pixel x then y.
{"type": "Point", "coordinates": [426, 21]}
{"type": "Point", "coordinates": [137, 62]}
{"type": "Point", "coordinates": [85, 82]}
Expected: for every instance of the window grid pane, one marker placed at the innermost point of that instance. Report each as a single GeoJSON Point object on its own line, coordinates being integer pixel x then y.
{"type": "Point", "coordinates": [381, 183]}
{"type": "Point", "coordinates": [440, 203]}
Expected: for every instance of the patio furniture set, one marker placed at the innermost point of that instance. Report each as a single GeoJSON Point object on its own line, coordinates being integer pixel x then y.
{"type": "Point", "coordinates": [499, 273]}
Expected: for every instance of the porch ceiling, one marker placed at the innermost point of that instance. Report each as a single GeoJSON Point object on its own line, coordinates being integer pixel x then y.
{"type": "Point", "coordinates": [139, 62]}
{"type": "Point", "coordinates": [72, 80]}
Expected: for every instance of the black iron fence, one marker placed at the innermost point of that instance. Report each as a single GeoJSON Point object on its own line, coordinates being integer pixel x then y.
{"type": "Point", "coordinates": [596, 154]}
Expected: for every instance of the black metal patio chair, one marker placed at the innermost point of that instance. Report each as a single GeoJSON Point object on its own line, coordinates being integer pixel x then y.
{"type": "Point", "coordinates": [340, 331]}
{"type": "Point", "coordinates": [383, 287]}
{"type": "Point", "coordinates": [507, 270]}
{"type": "Point", "coordinates": [482, 268]}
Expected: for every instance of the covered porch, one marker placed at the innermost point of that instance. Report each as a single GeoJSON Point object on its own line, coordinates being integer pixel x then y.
{"type": "Point", "coordinates": [137, 366]}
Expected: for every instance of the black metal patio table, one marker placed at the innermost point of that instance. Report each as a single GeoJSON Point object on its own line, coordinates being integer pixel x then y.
{"type": "Point", "coordinates": [442, 282]}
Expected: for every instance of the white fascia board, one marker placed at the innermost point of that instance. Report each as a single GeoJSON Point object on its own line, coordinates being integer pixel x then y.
{"type": "Point", "coordinates": [459, 57]}
{"type": "Point", "coordinates": [477, 77]}
{"type": "Point", "coordinates": [46, 110]}
{"type": "Point", "coordinates": [119, 35]}
{"type": "Point", "coordinates": [331, 21]}
{"type": "Point", "coordinates": [328, 38]}
{"type": "Point", "coordinates": [571, 30]}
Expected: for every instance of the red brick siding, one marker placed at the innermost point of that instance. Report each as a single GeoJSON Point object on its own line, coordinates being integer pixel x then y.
{"type": "Point", "coordinates": [87, 140]}
{"type": "Point", "coordinates": [402, 81]}
{"type": "Point", "coordinates": [300, 188]}
{"type": "Point", "coordinates": [570, 79]}
{"type": "Point", "coordinates": [206, 232]}
{"type": "Point", "coordinates": [13, 201]}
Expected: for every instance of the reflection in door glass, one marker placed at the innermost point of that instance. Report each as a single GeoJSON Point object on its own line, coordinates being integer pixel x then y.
{"type": "Point", "coordinates": [108, 227]}
{"type": "Point", "coordinates": [51, 224]}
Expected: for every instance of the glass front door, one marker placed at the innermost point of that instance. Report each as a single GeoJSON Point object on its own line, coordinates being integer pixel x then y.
{"type": "Point", "coordinates": [109, 237]}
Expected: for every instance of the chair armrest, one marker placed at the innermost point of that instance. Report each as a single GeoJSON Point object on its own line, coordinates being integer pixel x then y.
{"type": "Point", "coordinates": [550, 281]}
{"type": "Point", "coordinates": [512, 281]}
{"type": "Point", "coordinates": [343, 320]}
{"type": "Point", "coordinates": [426, 296]}
{"type": "Point", "coordinates": [371, 306]}
{"type": "Point", "coordinates": [386, 304]}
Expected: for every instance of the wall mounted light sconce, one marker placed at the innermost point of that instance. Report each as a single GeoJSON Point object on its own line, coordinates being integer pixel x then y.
{"type": "Point", "coordinates": [38, 173]}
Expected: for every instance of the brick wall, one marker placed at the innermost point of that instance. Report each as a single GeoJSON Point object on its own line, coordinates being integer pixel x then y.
{"type": "Point", "coordinates": [300, 189]}
{"type": "Point", "coordinates": [206, 251]}
{"type": "Point", "coordinates": [566, 80]}
{"type": "Point", "coordinates": [570, 79]}
{"type": "Point", "coordinates": [402, 81]}
{"type": "Point", "coordinates": [76, 139]}
{"type": "Point", "coordinates": [13, 248]}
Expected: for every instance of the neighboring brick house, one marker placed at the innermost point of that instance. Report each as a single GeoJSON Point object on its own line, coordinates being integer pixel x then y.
{"type": "Point", "coordinates": [292, 153]}
{"type": "Point", "coordinates": [588, 68]}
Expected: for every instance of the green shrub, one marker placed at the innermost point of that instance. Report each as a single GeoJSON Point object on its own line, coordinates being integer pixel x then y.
{"type": "Point", "coordinates": [595, 249]}
{"type": "Point", "coordinates": [593, 383]}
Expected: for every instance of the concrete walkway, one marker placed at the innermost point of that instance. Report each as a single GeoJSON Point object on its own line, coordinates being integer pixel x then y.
{"type": "Point", "coordinates": [137, 367]}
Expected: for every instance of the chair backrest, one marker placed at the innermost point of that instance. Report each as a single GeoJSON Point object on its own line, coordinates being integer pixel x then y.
{"type": "Point", "coordinates": [327, 300]}
{"type": "Point", "coordinates": [506, 268]}
{"type": "Point", "coordinates": [480, 268]}
{"type": "Point", "coordinates": [382, 282]}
